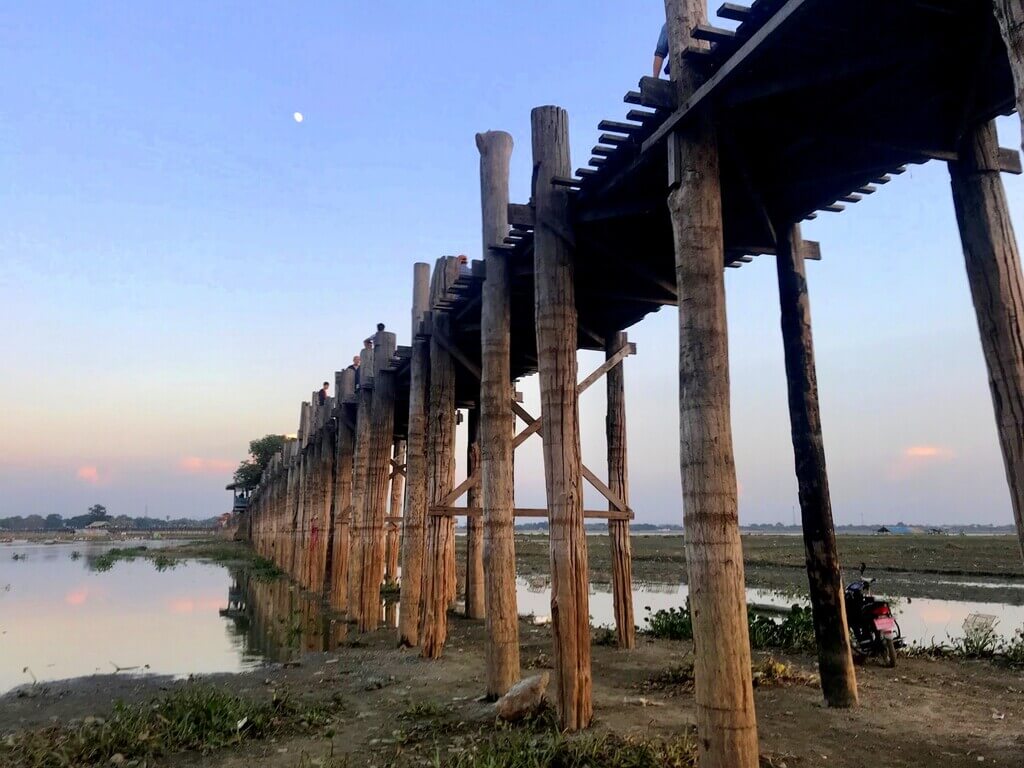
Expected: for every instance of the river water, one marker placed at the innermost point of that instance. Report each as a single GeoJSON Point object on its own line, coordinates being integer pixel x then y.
{"type": "Point", "coordinates": [60, 617]}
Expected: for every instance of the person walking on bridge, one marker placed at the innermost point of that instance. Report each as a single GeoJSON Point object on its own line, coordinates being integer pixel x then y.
{"type": "Point", "coordinates": [661, 52]}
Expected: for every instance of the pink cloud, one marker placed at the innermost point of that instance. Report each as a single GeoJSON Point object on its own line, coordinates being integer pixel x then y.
{"type": "Point", "coordinates": [927, 452]}
{"type": "Point", "coordinates": [916, 458]}
{"type": "Point", "coordinates": [88, 474]}
{"type": "Point", "coordinates": [194, 465]}
{"type": "Point", "coordinates": [77, 596]}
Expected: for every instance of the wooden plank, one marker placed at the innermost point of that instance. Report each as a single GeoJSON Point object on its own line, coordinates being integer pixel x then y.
{"type": "Point", "coordinates": [614, 499]}
{"type": "Point", "coordinates": [618, 481]}
{"type": "Point", "coordinates": [603, 151]}
{"type": "Point", "coordinates": [616, 127]}
{"type": "Point", "coordinates": [640, 115]}
{"type": "Point", "coordinates": [657, 93]}
{"type": "Point", "coordinates": [733, 12]}
{"type": "Point", "coordinates": [713, 34]}
{"type": "Point", "coordinates": [1009, 161]}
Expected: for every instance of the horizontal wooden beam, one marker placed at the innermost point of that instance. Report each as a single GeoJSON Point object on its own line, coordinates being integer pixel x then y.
{"type": "Point", "coordinates": [589, 514]}
{"type": "Point", "coordinates": [713, 34]}
{"type": "Point", "coordinates": [657, 93]}
{"type": "Point", "coordinates": [520, 215]}
{"type": "Point", "coordinates": [733, 12]}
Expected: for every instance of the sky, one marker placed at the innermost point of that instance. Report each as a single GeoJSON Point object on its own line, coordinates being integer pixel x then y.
{"type": "Point", "coordinates": [182, 261]}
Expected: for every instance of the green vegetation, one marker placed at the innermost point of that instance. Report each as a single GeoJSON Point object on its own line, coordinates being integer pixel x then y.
{"type": "Point", "coordinates": [983, 643]}
{"type": "Point", "coordinates": [547, 747]}
{"type": "Point", "coordinates": [261, 451]}
{"type": "Point", "coordinates": [106, 561]}
{"type": "Point", "coordinates": [194, 717]}
{"type": "Point", "coordinates": [793, 634]}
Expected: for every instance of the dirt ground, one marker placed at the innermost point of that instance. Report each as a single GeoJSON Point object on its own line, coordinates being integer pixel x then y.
{"type": "Point", "coordinates": [924, 713]}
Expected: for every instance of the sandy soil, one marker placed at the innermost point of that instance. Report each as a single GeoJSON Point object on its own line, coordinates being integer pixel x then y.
{"type": "Point", "coordinates": [924, 713]}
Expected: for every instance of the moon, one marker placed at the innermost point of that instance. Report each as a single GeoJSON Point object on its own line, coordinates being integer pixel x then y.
{"type": "Point", "coordinates": [298, 117]}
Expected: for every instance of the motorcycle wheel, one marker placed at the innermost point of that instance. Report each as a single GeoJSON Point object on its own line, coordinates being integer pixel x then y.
{"type": "Point", "coordinates": [889, 652]}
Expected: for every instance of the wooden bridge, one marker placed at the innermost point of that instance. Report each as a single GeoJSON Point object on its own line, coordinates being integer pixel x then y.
{"type": "Point", "coordinates": [805, 107]}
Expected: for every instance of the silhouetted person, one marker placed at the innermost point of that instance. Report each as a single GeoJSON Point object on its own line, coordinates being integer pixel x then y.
{"type": "Point", "coordinates": [322, 394]}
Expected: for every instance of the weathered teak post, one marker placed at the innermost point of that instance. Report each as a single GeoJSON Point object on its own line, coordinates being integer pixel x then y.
{"type": "Point", "coordinates": [994, 273]}
{"type": "Point", "coordinates": [555, 310]}
{"type": "Point", "coordinates": [440, 478]}
{"type": "Point", "coordinates": [382, 428]}
{"type": "Point", "coordinates": [835, 661]}
{"type": "Point", "coordinates": [395, 511]}
{"type": "Point", "coordinates": [364, 394]}
{"type": "Point", "coordinates": [414, 519]}
{"type": "Point", "coordinates": [345, 449]}
{"type": "Point", "coordinates": [474, 524]}
{"type": "Point", "coordinates": [726, 721]}
{"type": "Point", "coordinates": [497, 422]}
{"type": "Point", "coordinates": [1011, 23]}
{"type": "Point", "coordinates": [327, 456]}
{"type": "Point", "coordinates": [618, 481]}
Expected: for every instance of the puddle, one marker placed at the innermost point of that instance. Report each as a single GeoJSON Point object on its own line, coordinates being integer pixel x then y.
{"type": "Point", "coordinates": [921, 620]}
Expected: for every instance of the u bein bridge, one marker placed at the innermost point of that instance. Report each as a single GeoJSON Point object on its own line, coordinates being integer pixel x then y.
{"type": "Point", "coordinates": [805, 107]}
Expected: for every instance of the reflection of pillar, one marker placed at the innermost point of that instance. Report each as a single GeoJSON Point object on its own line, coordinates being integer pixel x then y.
{"type": "Point", "coordinates": [555, 310]}
{"type": "Point", "coordinates": [726, 720]}
{"type": "Point", "coordinates": [474, 524]}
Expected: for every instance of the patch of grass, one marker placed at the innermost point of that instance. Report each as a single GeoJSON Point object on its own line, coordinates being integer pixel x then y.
{"type": "Point", "coordinates": [424, 710]}
{"type": "Point", "coordinates": [76, 555]}
{"type": "Point", "coordinates": [262, 569]}
{"type": "Point", "coordinates": [794, 634]}
{"type": "Point", "coordinates": [529, 749]}
{"type": "Point", "coordinates": [390, 589]}
{"type": "Point", "coordinates": [671, 624]}
{"type": "Point", "coordinates": [605, 636]}
{"type": "Point", "coordinates": [108, 559]}
{"type": "Point", "coordinates": [979, 643]}
{"type": "Point", "coordinates": [191, 718]}
{"type": "Point", "coordinates": [16, 556]}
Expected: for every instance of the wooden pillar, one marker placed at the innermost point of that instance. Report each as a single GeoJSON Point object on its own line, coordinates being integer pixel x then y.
{"type": "Point", "coordinates": [555, 311]}
{"type": "Point", "coordinates": [726, 720]}
{"type": "Point", "coordinates": [414, 519]}
{"type": "Point", "coordinates": [497, 422]}
{"type": "Point", "coordinates": [382, 430]}
{"type": "Point", "coordinates": [474, 525]}
{"type": "Point", "coordinates": [618, 482]}
{"type": "Point", "coordinates": [345, 452]}
{"type": "Point", "coordinates": [1010, 14]}
{"type": "Point", "coordinates": [835, 661]}
{"type": "Point", "coordinates": [994, 274]}
{"type": "Point", "coordinates": [440, 481]}
{"type": "Point", "coordinates": [397, 488]}
{"type": "Point", "coordinates": [364, 396]}
{"type": "Point", "coordinates": [328, 435]}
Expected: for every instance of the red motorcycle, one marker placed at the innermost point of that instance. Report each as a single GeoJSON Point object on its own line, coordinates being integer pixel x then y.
{"type": "Point", "coordinates": [874, 631]}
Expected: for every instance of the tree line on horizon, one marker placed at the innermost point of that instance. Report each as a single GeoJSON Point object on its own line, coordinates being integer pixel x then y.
{"type": "Point", "coordinates": [98, 513]}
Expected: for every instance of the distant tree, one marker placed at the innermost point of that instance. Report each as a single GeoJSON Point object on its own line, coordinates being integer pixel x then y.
{"type": "Point", "coordinates": [261, 451]}
{"type": "Point", "coordinates": [34, 523]}
{"type": "Point", "coordinates": [54, 522]}
{"type": "Point", "coordinates": [97, 512]}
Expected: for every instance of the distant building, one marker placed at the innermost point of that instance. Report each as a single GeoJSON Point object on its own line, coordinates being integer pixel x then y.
{"type": "Point", "coordinates": [99, 529]}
